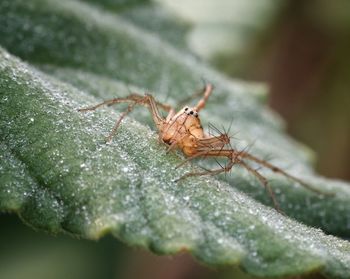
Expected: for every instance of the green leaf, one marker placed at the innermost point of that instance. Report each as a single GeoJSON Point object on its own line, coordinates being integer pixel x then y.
{"type": "Point", "coordinates": [92, 40]}
{"type": "Point", "coordinates": [58, 175]}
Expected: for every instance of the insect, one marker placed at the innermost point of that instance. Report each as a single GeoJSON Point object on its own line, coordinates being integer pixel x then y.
{"type": "Point", "coordinates": [183, 130]}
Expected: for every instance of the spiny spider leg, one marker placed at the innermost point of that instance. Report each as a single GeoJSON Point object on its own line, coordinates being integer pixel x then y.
{"type": "Point", "coordinates": [282, 172]}
{"type": "Point", "coordinates": [210, 153]}
{"type": "Point", "coordinates": [234, 160]}
{"type": "Point", "coordinates": [209, 172]}
{"type": "Point", "coordinates": [213, 141]}
{"type": "Point", "coordinates": [236, 157]}
{"type": "Point", "coordinates": [264, 182]}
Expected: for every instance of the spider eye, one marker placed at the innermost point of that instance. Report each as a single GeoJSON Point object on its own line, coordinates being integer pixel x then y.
{"type": "Point", "coordinates": [186, 109]}
{"type": "Point", "coordinates": [191, 112]}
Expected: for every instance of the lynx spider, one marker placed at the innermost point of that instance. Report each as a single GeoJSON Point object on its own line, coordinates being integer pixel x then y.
{"type": "Point", "coordinates": [183, 130]}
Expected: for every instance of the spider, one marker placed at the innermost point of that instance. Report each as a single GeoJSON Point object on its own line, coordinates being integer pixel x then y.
{"type": "Point", "coordinates": [183, 130]}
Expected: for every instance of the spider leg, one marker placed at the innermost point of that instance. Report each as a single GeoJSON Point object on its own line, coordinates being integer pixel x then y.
{"type": "Point", "coordinates": [170, 115]}
{"type": "Point", "coordinates": [225, 169]}
{"type": "Point", "coordinates": [208, 89]}
{"type": "Point", "coordinates": [106, 103]}
{"type": "Point", "coordinates": [198, 93]}
{"type": "Point", "coordinates": [263, 182]}
{"type": "Point", "coordinates": [211, 146]}
{"type": "Point", "coordinates": [213, 141]}
{"type": "Point", "coordinates": [234, 158]}
{"type": "Point", "coordinates": [134, 99]}
{"type": "Point", "coordinates": [229, 153]}
{"type": "Point", "coordinates": [117, 123]}
{"type": "Point", "coordinates": [282, 172]}
{"type": "Point", "coordinates": [199, 154]}
{"type": "Point", "coordinates": [171, 147]}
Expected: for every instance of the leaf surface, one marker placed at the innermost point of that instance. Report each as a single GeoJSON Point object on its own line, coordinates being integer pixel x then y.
{"type": "Point", "coordinates": [58, 174]}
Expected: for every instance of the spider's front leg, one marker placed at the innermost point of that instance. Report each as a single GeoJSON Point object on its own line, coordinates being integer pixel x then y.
{"type": "Point", "coordinates": [209, 146]}
{"type": "Point", "coordinates": [133, 100]}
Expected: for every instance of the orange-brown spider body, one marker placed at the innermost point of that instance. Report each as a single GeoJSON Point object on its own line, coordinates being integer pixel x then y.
{"type": "Point", "coordinates": [183, 130]}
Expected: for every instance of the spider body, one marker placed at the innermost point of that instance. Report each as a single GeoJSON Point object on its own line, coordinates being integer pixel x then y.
{"type": "Point", "coordinates": [183, 130]}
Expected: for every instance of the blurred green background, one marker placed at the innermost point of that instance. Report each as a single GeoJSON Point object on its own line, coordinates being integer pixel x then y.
{"type": "Point", "coordinates": [299, 48]}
